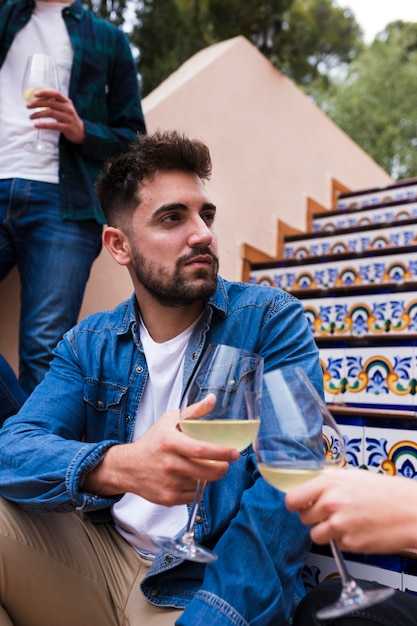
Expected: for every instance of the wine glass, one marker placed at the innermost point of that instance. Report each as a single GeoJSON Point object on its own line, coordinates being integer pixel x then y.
{"type": "Point", "coordinates": [41, 73]}
{"type": "Point", "coordinates": [234, 376]}
{"type": "Point", "coordinates": [298, 440]}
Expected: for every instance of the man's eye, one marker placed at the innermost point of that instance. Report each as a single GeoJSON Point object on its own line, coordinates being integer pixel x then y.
{"type": "Point", "coordinates": [209, 217]}
{"type": "Point", "coordinates": [172, 217]}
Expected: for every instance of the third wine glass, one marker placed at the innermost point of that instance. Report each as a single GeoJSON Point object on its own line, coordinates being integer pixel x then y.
{"type": "Point", "coordinates": [298, 440]}
{"type": "Point", "coordinates": [41, 73]}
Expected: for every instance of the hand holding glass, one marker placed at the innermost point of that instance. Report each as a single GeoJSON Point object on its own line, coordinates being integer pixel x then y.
{"type": "Point", "coordinates": [234, 376]}
{"type": "Point", "coordinates": [41, 73]}
{"type": "Point", "coordinates": [298, 440]}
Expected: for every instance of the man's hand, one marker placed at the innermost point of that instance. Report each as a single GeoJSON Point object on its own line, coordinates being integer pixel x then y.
{"type": "Point", "coordinates": [60, 108]}
{"type": "Point", "coordinates": [164, 465]}
{"type": "Point", "coordinates": [363, 511]}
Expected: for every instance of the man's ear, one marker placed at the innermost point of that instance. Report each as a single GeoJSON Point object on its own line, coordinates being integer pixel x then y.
{"type": "Point", "coordinates": [117, 244]}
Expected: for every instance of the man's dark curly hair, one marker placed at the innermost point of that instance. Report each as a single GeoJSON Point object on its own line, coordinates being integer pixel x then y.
{"type": "Point", "coordinates": [118, 188]}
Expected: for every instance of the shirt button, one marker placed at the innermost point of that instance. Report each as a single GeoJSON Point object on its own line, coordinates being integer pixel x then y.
{"type": "Point", "coordinates": [168, 559]}
{"type": "Point", "coordinates": [100, 404]}
{"type": "Point", "coordinates": [198, 519]}
{"type": "Point", "coordinates": [155, 592]}
{"type": "Point", "coordinates": [139, 369]}
{"type": "Point", "coordinates": [127, 419]}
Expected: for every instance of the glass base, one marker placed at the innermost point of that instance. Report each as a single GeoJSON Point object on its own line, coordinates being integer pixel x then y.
{"type": "Point", "coordinates": [186, 549]}
{"type": "Point", "coordinates": [354, 600]}
{"type": "Point", "coordinates": [40, 146]}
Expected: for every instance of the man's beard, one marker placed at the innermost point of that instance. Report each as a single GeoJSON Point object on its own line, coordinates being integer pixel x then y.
{"type": "Point", "coordinates": [173, 289]}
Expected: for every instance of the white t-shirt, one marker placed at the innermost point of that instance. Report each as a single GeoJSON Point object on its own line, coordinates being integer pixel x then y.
{"type": "Point", "coordinates": [45, 32]}
{"type": "Point", "coordinates": [137, 519]}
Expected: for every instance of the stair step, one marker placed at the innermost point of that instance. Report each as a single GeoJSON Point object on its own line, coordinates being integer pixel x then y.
{"type": "Point", "coordinates": [368, 238]}
{"type": "Point", "coordinates": [374, 377]}
{"type": "Point", "coordinates": [367, 315]}
{"type": "Point", "coordinates": [403, 190]}
{"type": "Point", "coordinates": [379, 267]}
{"type": "Point", "coordinates": [331, 221]}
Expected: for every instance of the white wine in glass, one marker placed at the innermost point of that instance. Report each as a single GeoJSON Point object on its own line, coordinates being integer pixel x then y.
{"type": "Point", "coordinates": [41, 73]}
{"type": "Point", "coordinates": [237, 433]}
{"type": "Point", "coordinates": [298, 440]}
{"type": "Point", "coordinates": [234, 376]}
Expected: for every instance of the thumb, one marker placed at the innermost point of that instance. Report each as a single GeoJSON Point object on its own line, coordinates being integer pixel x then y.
{"type": "Point", "coordinates": [200, 408]}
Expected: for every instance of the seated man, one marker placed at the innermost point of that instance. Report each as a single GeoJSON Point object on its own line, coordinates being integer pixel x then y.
{"type": "Point", "coordinates": [94, 465]}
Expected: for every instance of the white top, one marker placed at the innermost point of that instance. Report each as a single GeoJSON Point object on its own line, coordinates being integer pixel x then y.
{"type": "Point", "coordinates": [45, 32]}
{"type": "Point", "coordinates": [137, 519]}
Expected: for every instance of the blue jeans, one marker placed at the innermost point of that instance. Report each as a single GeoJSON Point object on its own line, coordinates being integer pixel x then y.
{"type": "Point", "coordinates": [54, 258]}
{"type": "Point", "coordinates": [12, 395]}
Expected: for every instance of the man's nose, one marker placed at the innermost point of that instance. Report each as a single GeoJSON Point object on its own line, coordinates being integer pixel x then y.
{"type": "Point", "coordinates": [200, 235]}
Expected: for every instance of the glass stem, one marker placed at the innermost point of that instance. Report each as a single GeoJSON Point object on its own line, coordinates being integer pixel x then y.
{"type": "Point", "coordinates": [189, 532]}
{"type": "Point", "coordinates": [348, 583]}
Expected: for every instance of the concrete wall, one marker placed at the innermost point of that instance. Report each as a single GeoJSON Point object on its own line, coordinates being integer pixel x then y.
{"type": "Point", "coordinates": [271, 149]}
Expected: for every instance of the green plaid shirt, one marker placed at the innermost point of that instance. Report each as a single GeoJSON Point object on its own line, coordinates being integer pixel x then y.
{"type": "Point", "coordinates": [105, 92]}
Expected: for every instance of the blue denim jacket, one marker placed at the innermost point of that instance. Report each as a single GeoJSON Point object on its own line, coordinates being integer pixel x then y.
{"type": "Point", "coordinates": [88, 402]}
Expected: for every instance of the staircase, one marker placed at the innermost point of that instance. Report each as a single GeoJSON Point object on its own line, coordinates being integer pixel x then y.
{"type": "Point", "coordinates": [355, 271]}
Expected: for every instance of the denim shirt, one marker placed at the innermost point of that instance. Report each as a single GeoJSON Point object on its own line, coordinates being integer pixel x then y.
{"type": "Point", "coordinates": [88, 402]}
{"type": "Point", "coordinates": [105, 92]}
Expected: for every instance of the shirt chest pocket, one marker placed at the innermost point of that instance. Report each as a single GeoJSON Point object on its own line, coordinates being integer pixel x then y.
{"type": "Point", "coordinates": [104, 396]}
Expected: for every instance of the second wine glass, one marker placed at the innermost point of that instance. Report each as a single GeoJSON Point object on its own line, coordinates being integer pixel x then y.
{"type": "Point", "coordinates": [298, 440]}
{"type": "Point", "coordinates": [234, 376]}
{"type": "Point", "coordinates": [41, 72]}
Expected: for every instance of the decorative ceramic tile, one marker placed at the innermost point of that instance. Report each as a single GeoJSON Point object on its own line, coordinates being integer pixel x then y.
{"type": "Point", "coordinates": [365, 217]}
{"type": "Point", "coordinates": [319, 567]}
{"type": "Point", "coordinates": [355, 444]}
{"type": "Point", "coordinates": [370, 376]}
{"type": "Point", "coordinates": [391, 451]}
{"type": "Point", "coordinates": [377, 196]}
{"type": "Point", "coordinates": [378, 270]}
{"type": "Point", "coordinates": [363, 315]}
{"type": "Point", "coordinates": [364, 241]}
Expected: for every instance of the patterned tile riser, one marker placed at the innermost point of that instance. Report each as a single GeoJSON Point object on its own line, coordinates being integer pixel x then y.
{"type": "Point", "coordinates": [382, 196]}
{"type": "Point", "coordinates": [390, 237]}
{"type": "Point", "coordinates": [378, 270]}
{"type": "Point", "coordinates": [374, 377]}
{"type": "Point", "coordinates": [366, 315]}
{"type": "Point", "coordinates": [385, 450]}
{"type": "Point", "coordinates": [386, 215]}
{"type": "Point", "coordinates": [320, 567]}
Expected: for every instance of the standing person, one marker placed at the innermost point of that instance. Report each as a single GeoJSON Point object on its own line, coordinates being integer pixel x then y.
{"type": "Point", "coordinates": [99, 435]}
{"type": "Point", "coordinates": [50, 218]}
{"type": "Point", "coordinates": [364, 512]}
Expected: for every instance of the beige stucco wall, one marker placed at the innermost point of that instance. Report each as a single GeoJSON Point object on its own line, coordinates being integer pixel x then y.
{"type": "Point", "coordinates": [271, 149]}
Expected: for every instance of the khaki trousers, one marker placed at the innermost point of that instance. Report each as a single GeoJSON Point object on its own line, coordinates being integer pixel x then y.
{"type": "Point", "coordinates": [59, 569]}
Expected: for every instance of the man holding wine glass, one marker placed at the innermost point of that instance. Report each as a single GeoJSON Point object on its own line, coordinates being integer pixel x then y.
{"type": "Point", "coordinates": [367, 513]}
{"type": "Point", "coordinates": [95, 465]}
{"type": "Point", "coordinates": [69, 99]}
